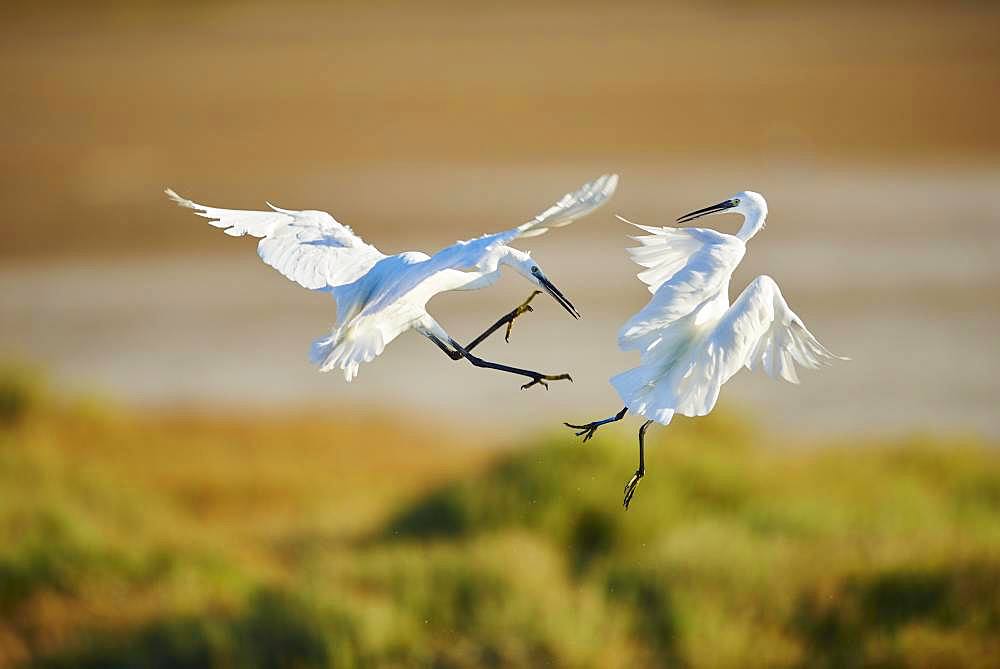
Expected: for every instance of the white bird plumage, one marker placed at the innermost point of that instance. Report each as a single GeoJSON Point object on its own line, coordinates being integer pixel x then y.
{"type": "Point", "coordinates": [381, 296]}
{"type": "Point", "coordinates": [691, 340]}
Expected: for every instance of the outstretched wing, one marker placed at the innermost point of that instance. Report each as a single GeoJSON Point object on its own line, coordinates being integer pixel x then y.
{"type": "Point", "coordinates": [684, 268]}
{"type": "Point", "coordinates": [475, 253]}
{"type": "Point", "coordinates": [760, 331]}
{"type": "Point", "coordinates": [570, 207]}
{"type": "Point", "coordinates": [309, 247]}
{"type": "Point", "coordinates": [483, 253]}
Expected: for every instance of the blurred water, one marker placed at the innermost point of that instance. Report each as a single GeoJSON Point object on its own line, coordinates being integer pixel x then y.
{"type": "Point", "coordinates": [895, 269]}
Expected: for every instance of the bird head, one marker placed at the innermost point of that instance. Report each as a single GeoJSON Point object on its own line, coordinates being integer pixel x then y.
{"type": "Point", "coordinates": [529, 269]}
{"type": "Point", "coordinates": [752, 206]}
{"type": "Point", "coordinates": [748, 203]}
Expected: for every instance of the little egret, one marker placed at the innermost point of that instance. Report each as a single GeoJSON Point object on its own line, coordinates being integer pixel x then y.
{"type": "Point", "coordinates": [690, 338]}
{"type": "Point", "coordinates": [378, 296]}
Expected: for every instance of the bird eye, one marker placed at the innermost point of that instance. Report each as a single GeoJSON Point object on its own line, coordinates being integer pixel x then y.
{"type": "Point", "coordinates": [534, 269]}
{"type": "Point", "coordinates": [736, 201]}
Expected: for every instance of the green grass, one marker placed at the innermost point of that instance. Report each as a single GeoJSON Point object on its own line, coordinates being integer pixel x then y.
{"type": "Point", "coordinates": [136, 540]}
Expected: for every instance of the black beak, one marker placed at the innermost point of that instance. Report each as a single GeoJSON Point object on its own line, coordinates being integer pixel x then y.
{"type": "Point", "coordinates": [715, 208]}
{"type": "Point", "coordinates": [557, 295]}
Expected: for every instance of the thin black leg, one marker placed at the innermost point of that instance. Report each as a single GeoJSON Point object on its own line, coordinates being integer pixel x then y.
{"type": "Point", "coordinates": [641, 471]}
{"type": "Point", "coordinates": [460, 352]}
{"type": "Point", "coordinates": [587, 431]}
{"type": "Point", "coordinates": [507, 320]}
{"type": "Point", "coordinates": [536, 377]}
{"type": "Point", "coordinates": [451, 353]}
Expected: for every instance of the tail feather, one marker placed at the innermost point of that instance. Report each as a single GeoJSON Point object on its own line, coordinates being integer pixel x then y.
{"type": "Point", "coordinates": [347, 348]}
{"type": "Point", "coordinates": [321, 349]}
{"type": "Point", "coordinates": [636, 387]}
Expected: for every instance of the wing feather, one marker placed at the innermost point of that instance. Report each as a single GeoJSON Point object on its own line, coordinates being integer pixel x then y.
{"type": "Point", "coordinates": [483, 253]}
{"type": "Point", "coordinates": [685, 269]}
{"type": "Point", "coordinates": [691, 344]}
{"type": "Point", "coordinates": [760, 331]}
{"type": "Point", "coordinates": [309, 247]}
{"type": "Point", "coordinates": [570, 207]}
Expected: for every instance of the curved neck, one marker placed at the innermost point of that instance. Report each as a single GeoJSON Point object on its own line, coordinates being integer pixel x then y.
{"type": "Point", "coordinates": [753, 221]}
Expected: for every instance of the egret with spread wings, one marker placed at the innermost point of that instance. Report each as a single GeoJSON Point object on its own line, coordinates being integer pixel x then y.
{"type": "Point", "coordinates": [381, 296]}
{"type": "Point", "coordinates": [691, 340]}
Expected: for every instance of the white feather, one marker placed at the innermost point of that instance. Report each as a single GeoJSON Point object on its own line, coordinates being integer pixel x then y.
{"type": "Point", "coordinates": [379, 297]}
{"type": "Point", "coordinates": [690, 339]}
{"type": "Point", "coordinates": [308, 247]}
{"type": "Point", "coordinates": [571, 206]}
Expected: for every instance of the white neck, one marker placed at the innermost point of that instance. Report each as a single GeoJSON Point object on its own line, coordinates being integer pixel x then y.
{"type": "Point", "coordinates": [753, 221]}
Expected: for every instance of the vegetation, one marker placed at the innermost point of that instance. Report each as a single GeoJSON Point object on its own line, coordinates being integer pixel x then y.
{"type": "Point", "coordinates": [150, 540]}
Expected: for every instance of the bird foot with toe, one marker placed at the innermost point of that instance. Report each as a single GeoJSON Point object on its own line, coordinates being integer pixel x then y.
{"type": "Point", "coordinates": [542, 378]}
{"type": "Point", "coordinates": [522, 308]}
{"type": "Point", "coordinates": [586, 431]}
{"type": "Point", "coordinates": [630, 487]}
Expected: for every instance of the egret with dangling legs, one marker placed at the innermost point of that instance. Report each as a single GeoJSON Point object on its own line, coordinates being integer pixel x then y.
{"type": "Point", "coordinates": [690, 338]}
{"type": "Point", "coordinates": [381, 296]}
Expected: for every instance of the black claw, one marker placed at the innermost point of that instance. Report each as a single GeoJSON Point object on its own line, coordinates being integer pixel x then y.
{"type": "Point", "coordinates": [630, 488]}
{"type": "Point", "coordinates": [522, 309]}
{"type": "Point", "coordinates": [586, 431]}
{"type": "Point", "coordinates": [543, 378]}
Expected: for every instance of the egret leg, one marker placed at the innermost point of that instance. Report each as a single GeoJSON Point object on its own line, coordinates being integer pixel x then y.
{"type": "Point", "coordinates": [536, 377]}
{"type": "Point", "coordinates": [507, 320]}
{"type": "Point", "coordinates": [454, 355]}
{"type": "Point", "coordinates": [587, 431]}
{"type": "Point", "coordinates": [640, 472]}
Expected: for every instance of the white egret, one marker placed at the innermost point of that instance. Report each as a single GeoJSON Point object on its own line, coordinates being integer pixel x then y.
{"type": "Point", "coordinates": [378, 296]}
{"type": "Point", "coordinates": [690, 338]}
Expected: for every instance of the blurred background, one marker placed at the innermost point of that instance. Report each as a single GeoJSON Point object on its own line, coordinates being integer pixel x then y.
{"type": "Point", "coordinates": [181, 488]}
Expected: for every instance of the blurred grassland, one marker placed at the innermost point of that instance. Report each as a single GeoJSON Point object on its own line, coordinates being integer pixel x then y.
{"type": "Point", "coordinates": [169, 540]}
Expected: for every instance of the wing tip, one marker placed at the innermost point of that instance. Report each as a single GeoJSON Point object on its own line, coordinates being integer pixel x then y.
{"type": "Point", "coordinates": [586, 200]}
{"type": "Point", "coordinates": [611, 183]}
{"type": "Point", "coordinates": [177, 199]}
{"type": "Point", "coordinates": [538, 232]}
